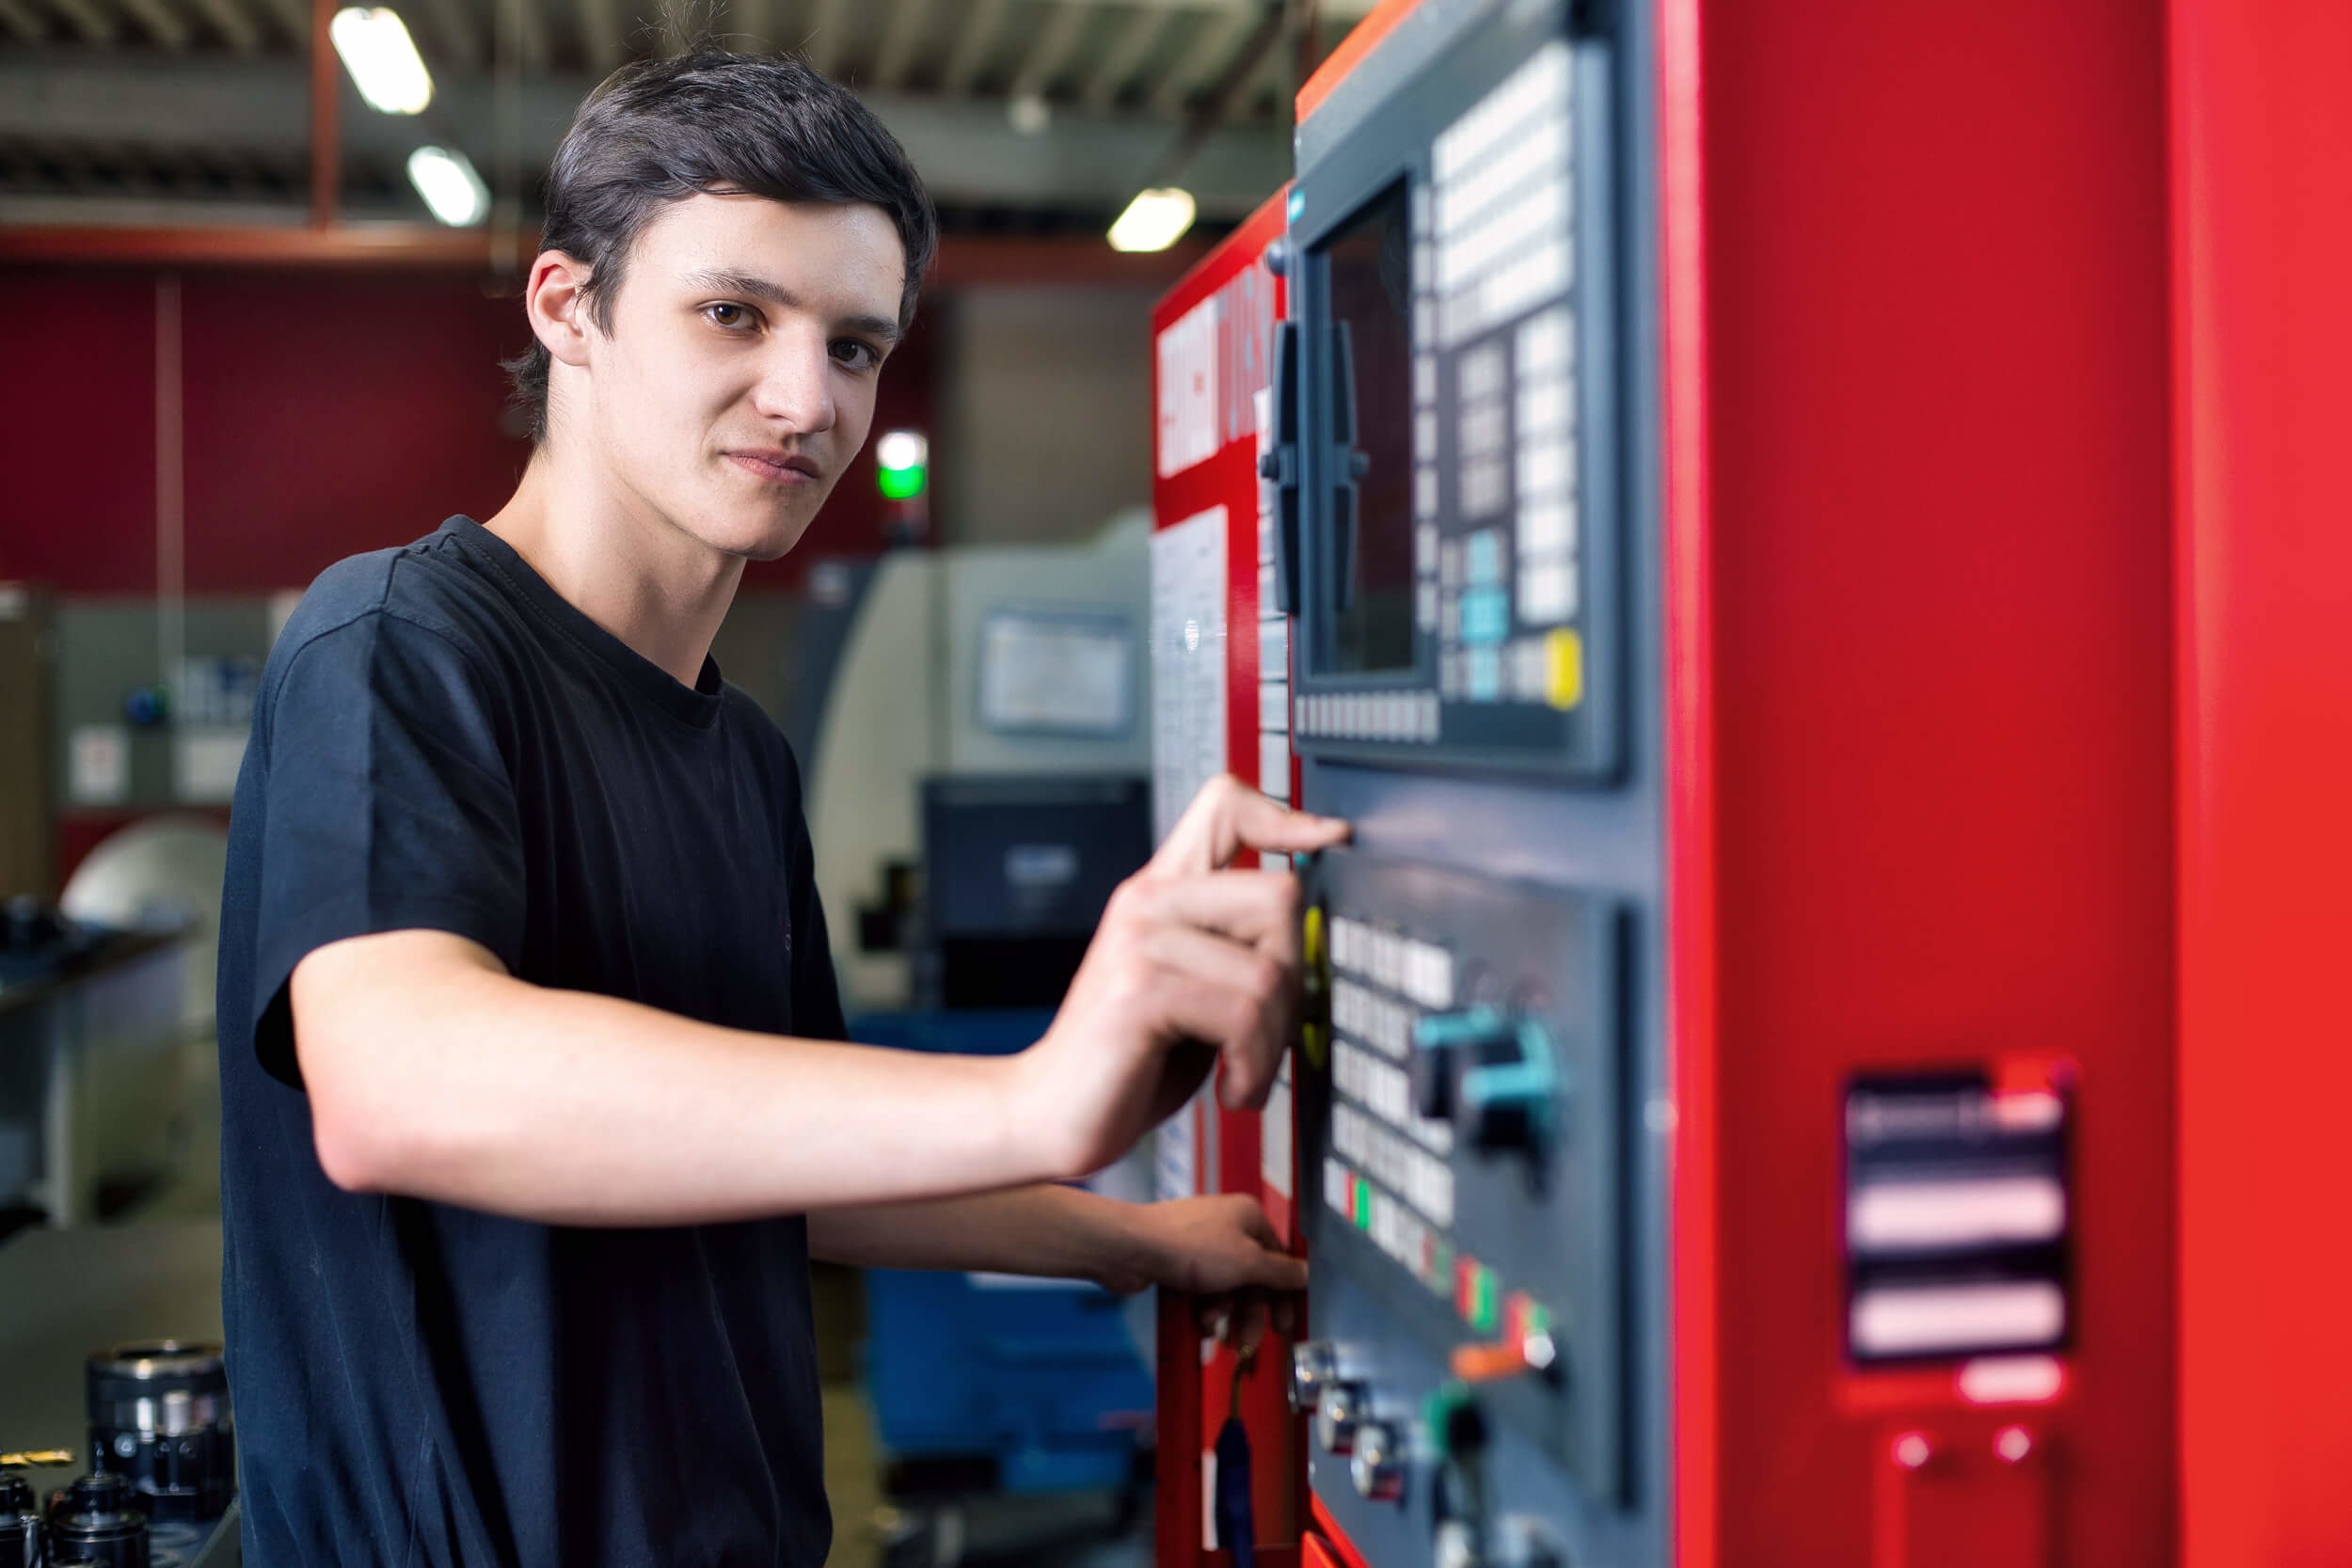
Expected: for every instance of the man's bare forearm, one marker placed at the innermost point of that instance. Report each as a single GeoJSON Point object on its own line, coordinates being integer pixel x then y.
{"type": "Point", "coordinates": [434, 1074]}
{"type": "Point", "coordinates": [1052, 1231]}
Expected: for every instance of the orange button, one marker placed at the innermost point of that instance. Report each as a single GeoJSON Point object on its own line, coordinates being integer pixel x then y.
{"type": "Point", "coordinates": [1489, 1363]}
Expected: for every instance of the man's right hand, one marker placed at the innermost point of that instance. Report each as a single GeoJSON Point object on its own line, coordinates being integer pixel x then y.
{"type": "Point", "coordinates": [1194, 963]}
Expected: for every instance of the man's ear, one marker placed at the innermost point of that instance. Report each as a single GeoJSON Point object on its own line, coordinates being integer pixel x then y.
{"type": "Point", "coordinates": [556, 302]}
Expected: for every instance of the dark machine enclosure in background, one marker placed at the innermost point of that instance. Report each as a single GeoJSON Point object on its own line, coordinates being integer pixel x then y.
{"type": "Point", "coordinates": [1016, 871]}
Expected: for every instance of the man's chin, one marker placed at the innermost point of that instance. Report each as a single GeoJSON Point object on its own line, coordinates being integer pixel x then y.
{"type": "Point", "coordinates": [768, 539]}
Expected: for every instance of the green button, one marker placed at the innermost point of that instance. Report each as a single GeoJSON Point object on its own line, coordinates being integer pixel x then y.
{"type": "Point", "coordinates": [1485, 1313]}
{"type": "Point", "coordinates": [1363, 1204]}
{"type": "Point", "coordinates": [1440, 1415]}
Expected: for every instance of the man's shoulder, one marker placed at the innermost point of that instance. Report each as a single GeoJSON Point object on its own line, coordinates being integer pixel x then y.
{"type": "Point", "coordinates": [428, 585]}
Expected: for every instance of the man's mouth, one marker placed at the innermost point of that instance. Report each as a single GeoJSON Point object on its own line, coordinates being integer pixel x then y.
{"type": "Point", "coordinates": [777, 467]}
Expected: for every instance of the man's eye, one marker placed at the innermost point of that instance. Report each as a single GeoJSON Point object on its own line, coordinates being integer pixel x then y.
{"type": "Point", "coordinates": [857, 356]}
{"type": "Point", "coordinates": [726, 315]}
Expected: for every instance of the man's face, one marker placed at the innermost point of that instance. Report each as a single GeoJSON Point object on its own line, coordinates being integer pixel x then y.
{"type": "Point", "coordinates": [737, 379]}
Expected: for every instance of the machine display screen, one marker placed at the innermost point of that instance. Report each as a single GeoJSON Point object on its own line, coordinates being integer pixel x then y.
{"type": "Point", "coordinates": [1370, 586]}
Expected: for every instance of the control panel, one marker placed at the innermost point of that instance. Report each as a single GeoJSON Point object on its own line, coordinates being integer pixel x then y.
{"type": "Point", "coordinates": [1463, 1106]}
{"type": "Point", "coordinates": [1460, 571]}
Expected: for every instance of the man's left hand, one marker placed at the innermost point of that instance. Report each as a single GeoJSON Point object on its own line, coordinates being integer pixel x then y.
{"type": "Point", "coordinates": [1207, 1246]}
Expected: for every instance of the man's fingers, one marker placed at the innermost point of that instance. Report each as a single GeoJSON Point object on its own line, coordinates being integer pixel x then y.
{"type": "Point", "coordinates": [1280, 1272]}
{"type": "Point", "coordinates": [1248, 906]}
{"type": "Point", "coordinates": [1234, 995]}
{"type": "Point", "coordinates": [1228, 817]}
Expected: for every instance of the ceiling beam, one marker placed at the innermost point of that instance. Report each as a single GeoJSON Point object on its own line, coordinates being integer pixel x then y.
{"type": "Point", "coordinates": [294, 20]}
{"type": "Point", "coordinates": [1047, 58]}
{"type": "Point", "coordinates": [227, 19]}
{"type": "Point", "coordinates": [752, 26]}
{"type": "Point", "coordinates": [531, 35]}
{"type": "Point", "coordinates": [968, 153]}
{"type": "Point", "coordinates": [1125, 56]}
{"type": "Point", "coordinates": [827, 44]}
{"type": "Point", "coordinates": [161, 22]}
{"type": "Point", "coordinates": [92, 25]}
{"type": "Point", "coordinates": [1336, 11]}
{"type": "Point", "coordinates": [976, 46]}
{"type": "Point", "coordinates": [901, 36]}
{"type": "Point", "coordinates": [20, 22]}
{"type": "Point", "coordinates": [599, 34]}
{"type": "Point", "coordinates": [1213, 46]}
{"type": "Point", "coordinates": [457, 31]}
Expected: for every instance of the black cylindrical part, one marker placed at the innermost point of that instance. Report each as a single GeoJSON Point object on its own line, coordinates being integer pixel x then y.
{"type": "Point", "coordinates": [20, 1532]}
{"type": "Point", "coordinates": [159, 1416]}
{"type": "Point", "coordinates": [100, 1517]}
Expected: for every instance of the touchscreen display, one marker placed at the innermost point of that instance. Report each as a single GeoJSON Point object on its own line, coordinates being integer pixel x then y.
{"type": "Point", "coordinates": [1370, 591]}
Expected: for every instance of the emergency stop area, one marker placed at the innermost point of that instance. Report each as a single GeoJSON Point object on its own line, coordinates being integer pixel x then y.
{"type": "Point", "coordinates": [1802, 542]}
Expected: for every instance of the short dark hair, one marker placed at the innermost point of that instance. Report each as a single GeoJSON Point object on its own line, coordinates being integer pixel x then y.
{"type": "Point", "coordinates": [712, 120]}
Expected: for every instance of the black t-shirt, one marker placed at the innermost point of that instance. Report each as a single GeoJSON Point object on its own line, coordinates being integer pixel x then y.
{"type": "Point", "coordinates": [442, 741]}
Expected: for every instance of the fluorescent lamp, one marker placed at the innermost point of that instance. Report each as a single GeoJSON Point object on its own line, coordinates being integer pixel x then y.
{"type": "Point", "coordinates": [382, 60]}
{"type": "Point", "coordinates": [1154, 220]}
{"type": "Point", "coordinates": [449, 185]}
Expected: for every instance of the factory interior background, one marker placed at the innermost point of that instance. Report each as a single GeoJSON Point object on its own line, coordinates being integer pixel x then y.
{"type": "Point", "coordinates": [1999, 403]}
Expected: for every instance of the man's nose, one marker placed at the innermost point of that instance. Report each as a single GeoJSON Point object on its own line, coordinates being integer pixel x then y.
{"type": "Point", "coordinates": [796, 384]}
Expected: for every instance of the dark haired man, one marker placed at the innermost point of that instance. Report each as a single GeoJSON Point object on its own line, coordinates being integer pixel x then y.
{"type": "Point", "coordinates": [525, 997]}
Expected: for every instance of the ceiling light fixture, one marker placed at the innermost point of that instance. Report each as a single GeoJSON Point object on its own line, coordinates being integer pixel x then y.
{"type": "Point", "coordinates": [1029, 114]}
{"type": "Point", "coordinates": [449, 185]}
{"type": "Point", "coordinates": [1154, 220]}
{"type": "Point", "coordinates": [382, 60]}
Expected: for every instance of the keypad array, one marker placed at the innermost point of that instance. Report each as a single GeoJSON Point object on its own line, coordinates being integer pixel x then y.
{"type": "Point", "coordinates": [1495, 244]}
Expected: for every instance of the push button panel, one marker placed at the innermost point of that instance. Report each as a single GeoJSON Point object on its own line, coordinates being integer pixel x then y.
{"type": "Point", "coordinates": [1461, 1127]}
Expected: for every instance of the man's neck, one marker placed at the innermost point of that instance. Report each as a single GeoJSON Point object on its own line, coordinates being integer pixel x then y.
{"type": "Point", "coordinates": [631, 571]}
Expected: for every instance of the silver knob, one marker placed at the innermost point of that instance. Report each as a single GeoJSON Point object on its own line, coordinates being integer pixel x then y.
{"type": "Point", "coordinates": [1315, 1366]}
{"type": "Point", "coordinates": [1339, 1413]}
{"type": "Point", "coordinates": [1378, 1466]}
{"type": "Point", "coordinates": [1522, 1542]}
{"type": "Point", "coordinates": [1457, 1545]}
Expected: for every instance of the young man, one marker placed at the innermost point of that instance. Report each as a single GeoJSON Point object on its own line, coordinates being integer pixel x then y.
{"type": "Point", "coordinates": [531, 1120]}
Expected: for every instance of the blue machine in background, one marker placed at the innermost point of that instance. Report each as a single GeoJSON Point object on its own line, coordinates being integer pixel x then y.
{"type": "Point", "coordinates": [1038, 1381]}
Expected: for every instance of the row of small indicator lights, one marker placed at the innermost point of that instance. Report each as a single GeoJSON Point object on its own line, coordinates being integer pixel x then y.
{"type": "Point", "coordinates": [1526, 1341]}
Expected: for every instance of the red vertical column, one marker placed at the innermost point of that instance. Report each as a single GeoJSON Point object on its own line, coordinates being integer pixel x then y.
{"type": "Point", "coordinates": [2262, 130]}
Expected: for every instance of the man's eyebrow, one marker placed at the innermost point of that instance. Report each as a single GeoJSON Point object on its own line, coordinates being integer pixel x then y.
{"type": "Point", "coordinates": [776, 293]}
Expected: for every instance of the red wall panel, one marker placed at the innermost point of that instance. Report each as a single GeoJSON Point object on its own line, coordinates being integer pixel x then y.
{"type": "Point", "coordinates": [77, 431]}
{"type": "Point", "coordinates": [2263, 160]}
{"type": "Point", "coordinates": [325, 413]}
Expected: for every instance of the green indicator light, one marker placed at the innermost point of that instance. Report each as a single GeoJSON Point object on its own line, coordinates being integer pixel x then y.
{"type": "Point", "coordinates": [1363, 1204]}
{"type": "Point", "coordinates": [903, 461]}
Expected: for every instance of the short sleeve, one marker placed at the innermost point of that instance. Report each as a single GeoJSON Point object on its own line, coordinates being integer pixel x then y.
{"type": "Point", "coordinates": [386, 805]}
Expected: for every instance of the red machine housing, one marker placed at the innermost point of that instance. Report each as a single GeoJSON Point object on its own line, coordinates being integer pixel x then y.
{"type": "Point", "coordinates": [1238, 299]}
{"type": "Point", "coordinates": [1918, 714]}
{"type": "Point", "coordinates": [1919, 710]}
{"type": "Point", "coordinates": [2262, 147]}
